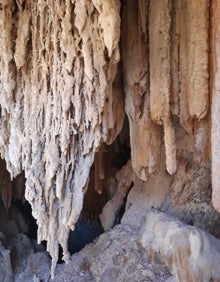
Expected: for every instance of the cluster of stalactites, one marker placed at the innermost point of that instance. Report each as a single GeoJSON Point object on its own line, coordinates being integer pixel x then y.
{"type": "Point", "coordinates": [171, 74]}
{"type": "Point", "coordinates": [165, 50]}
{"type": "Point", "coordinates": [60, 99]}
{"type": "Point", "coordinates": [61, 94]}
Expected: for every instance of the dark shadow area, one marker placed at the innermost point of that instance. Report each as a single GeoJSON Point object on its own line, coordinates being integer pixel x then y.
{"type": "Point", "coordinates": [88, 227]}
{"type": "Point", "coordinates": [83, 234]}
{"type": "Point", "coordinates": [26, 211]}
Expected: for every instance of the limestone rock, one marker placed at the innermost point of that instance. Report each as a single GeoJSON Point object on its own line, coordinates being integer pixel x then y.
{"type": "Point", "coordinates": [58, 64]}
{"type": "Point", "coordinates": [70, 70]}
{"type": "Point", "coordinates": [189, 253]}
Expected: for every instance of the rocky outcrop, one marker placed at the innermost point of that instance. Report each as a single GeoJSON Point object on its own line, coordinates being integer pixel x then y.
{"type": "Point", "coordinates": [189, 253]}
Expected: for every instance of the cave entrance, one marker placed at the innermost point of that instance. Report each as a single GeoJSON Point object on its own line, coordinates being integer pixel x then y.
{"type": "Point", "coordinates": [101, 188]}
{"type": "Point", "coordinates": [16, 213]}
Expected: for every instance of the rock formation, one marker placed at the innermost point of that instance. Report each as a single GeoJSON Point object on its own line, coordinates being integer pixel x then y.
{"type": "Point", "coordinates": [59, 61]}
{"type": "Point", "coordinates": [189, 253]}
{"type": "Point", "coordinates": [70, 71]}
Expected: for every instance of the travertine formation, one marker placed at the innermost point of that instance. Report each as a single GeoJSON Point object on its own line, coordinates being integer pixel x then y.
{"type": "Point", "coordinates": [165, 72]}
{"type": "Point", "coordinates": [190, 254]}
{"type": "Point", "coordinates": [58, 62]}
{"type": "Point", "coordinates": [215, 86]}
{"type": "Point", "coordinates": [61, 81]}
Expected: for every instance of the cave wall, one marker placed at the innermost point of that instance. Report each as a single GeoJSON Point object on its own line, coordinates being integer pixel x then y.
{"type": "Point", "coordinates": [69, 70]}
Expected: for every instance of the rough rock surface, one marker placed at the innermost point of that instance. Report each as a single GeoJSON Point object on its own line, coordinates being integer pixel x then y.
{"type": "Point", "coordinates": [58, 64]}
{"type": "Point", "coordinates": [189, 253]}
{"type": "Point", "coordinates": [110, 258]}
{"type": "Point", "coordinates": [62, 78]}
{"type": "Point", "coordinates": [169, 246]}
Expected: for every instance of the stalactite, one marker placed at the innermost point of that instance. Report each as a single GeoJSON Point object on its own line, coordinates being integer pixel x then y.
{"type": "Point", "coordinates": [160, 75]}
{"type": "Point", "coordinates": [170, 145]}
{"type": "Point", "coordinates": [175, 79]}
{"type": "Point", "coordinates": [144, 135]}
{"type": "Point", "coordinates": [101, 162]}
{"type": "Point", "coordinates": [197, 57]}
{"type": "Point", "coordinates": [197, 16]}
{"type": "Point", "coordinates": [99, 169]}
{"type": "Point", "coordinates": [61, 96]}
{"type": "Point", "coordinates": [98, 180]}
{"type": "Point", "coordinates": [215, 129]}
{"type": "Point", "coordinates": [22, 37]}
{"type": "Point", "coordinates": [185, 119]}
{"type": "Point", "coordinates": [114, 107]}
{"type": "Point", "coordinates": [58, 63]}
{"type": "Point", "coordinates": [190, 70]}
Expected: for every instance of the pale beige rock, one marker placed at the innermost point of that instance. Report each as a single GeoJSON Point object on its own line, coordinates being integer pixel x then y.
{"type": "Point", "coordinates": [22, 37]}
{"type": "Point", "coordinates": [160, 74]}
{"type": "Point", "coordinates": [215, 128]}
{"type": "Point", "coordinates": [61, 98]}
{"type": "Point", "coordinates": [197, 57]}
{"type": "Point", "coordinates": [124, 183]}
{"type": "Point", "coordinates": [58, 63]}
{"type": "Point", "coordinates": [159, 47]}
{"type": "Point", "coordinates": [144, 135]}
{"type": "Point", "coordinates": [185, 119]}
{"type": "Point", "coordinates": [190, 253]}
{"type": "Point", "coordinates": [175, 75]}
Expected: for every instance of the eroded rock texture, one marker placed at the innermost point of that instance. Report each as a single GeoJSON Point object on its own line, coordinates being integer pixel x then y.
{"type": "Point", "coordinates": [61, 81]}
{"type": "Point", "coordinates": [189, 253]}
{"type": "Point", "coordinates": [58, 63]}
{"type": "Point", "coordinates": [165, 71]}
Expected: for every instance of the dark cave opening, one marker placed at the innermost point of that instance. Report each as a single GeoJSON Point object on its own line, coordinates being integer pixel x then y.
{"type": "Point", "coordinates": [88, 227]}
{"type": "Point", "coordinates": [26, 211]}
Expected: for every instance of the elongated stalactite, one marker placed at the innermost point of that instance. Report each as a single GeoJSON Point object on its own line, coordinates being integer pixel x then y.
{"type": "Point", "coordinates": [160, 75]}
{"type": "Point", "coordinates": [145, 136]}
{"type": "Point", "coordinates": [215, 130]}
